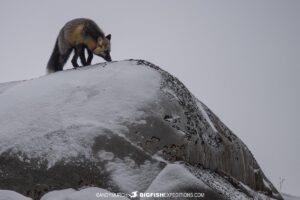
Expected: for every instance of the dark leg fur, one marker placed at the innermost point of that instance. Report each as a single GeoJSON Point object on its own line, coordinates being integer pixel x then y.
{"type": "Point", "coordinates": [79, 53]}
{"type": "Point", "coordinates": [90, 57]}
{"type": "Point", "coordinates": [80, 50]}
{"type": "Point", "coordinates": [58, 60]}
{"type": "Point", "coordinates": [74, 59]}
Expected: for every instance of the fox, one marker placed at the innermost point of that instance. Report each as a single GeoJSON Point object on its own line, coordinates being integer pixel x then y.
{"type": "Point", "coordinates": [79, 35]}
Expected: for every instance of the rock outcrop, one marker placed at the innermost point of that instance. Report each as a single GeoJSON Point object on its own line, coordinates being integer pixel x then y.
{"type": "Point", "coordinates": [123, 126]}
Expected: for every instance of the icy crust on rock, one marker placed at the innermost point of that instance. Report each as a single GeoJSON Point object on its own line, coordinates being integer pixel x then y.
{"type": "Point", "coordinates": [57, 116]}
{"type": "Point", "coordinates": [227, 187]}
{"type": "Point", "coordinates": [174, 178]}
{"type": "Point", "coordinates": [205, 140]}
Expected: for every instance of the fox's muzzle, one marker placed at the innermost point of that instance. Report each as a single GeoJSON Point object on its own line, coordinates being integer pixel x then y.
{"type": "Point", "coordinates": [108, 58]}
{"type": "Point", "coordinates": [105, 57]}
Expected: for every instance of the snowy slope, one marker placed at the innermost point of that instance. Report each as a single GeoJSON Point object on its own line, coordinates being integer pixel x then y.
{"type": "Point", "coordinates": [66, 194]}
{"type": "Point", "coordinates": [86, 194]}
{"type": "Point", "coordinates": [119, 127]}
{"type": "Point", "coordinates": [11, 195]}
{"type": "Point", "coordinates": [290, 197]}
{"type": "Point", "coordinates": [34, 113]}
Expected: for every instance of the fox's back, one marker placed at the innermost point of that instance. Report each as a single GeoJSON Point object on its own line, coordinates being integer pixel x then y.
{"type": "Point", "coordinates": [76, 30]}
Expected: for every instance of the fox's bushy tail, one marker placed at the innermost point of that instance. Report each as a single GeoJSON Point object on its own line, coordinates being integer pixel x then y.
{"type": "Point", "coordinates": [57, 59]}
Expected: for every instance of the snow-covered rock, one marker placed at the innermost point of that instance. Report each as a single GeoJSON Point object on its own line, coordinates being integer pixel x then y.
{"type": "Point", "coordinates": [290, 197]}
{"type": "Point", "coordinates": [91, 193]}
{"type": "Point", "coordinates": [123, 126]}
{"type": "Point", "coordinates": [11, 195]}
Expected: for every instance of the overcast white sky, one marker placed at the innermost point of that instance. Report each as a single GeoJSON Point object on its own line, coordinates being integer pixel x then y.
{"type": "Point", "coordinates": [241, 58]}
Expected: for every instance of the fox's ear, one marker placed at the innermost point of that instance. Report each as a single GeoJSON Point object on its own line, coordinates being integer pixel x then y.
{"type": "Point", "coordinates": [108, 36]}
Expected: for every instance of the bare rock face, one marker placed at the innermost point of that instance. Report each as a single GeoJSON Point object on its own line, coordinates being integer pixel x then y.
{"type": "Point", "coordinates": [124, 126]}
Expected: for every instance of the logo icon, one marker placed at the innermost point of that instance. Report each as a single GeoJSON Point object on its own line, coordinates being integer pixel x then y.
{"type": "Point", "coordinates": [133, 194]}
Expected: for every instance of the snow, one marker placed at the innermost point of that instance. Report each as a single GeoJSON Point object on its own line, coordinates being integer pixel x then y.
{"type": "Point", "coordinates": [11, 195]}
{"type": "Point", "coordinates": [255, 194]}
{"type": "Point", "coordinates": [290, 197]}
{"type": "Point", "coordinates": [104, 155]}
{"type": "Point", "coordinates": [5, 86]}
{"type": "Point", "coordinates": [58, 116]}
{"type": "Point", "coordinates": [172, 178]}
{"type": "Point", "coordinates": [90, 193]}
{"type": "Point", "coordinates": [204, 113]}
{"type": "Point", "coordinates": [217, 183]}
{"type": "Point", "coordinates": [130, 176]}
{"type": "Point", "coordinates": [58, 194]}
{"type": "Point", "coordinates": [46, 117]}
{"type": "Point", "coordinates": [266, 184]}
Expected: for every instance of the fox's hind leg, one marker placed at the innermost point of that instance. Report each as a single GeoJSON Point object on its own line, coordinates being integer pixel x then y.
{"type": "Point", "coordinates": [80, 50]}
{"type": "Point", "coordinates": [74, 59]}
{"type": "Point", "coordinates": [90, 57]}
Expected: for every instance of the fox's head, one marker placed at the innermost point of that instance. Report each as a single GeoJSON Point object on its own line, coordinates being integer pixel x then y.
{"type": "Point", "coordinates": [103, 47]}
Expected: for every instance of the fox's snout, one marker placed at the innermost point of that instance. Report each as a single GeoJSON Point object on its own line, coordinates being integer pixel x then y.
{"type": "Point", "coordinates": [105, 56]}
{"type": "Point", "coordinates": [108, 58]}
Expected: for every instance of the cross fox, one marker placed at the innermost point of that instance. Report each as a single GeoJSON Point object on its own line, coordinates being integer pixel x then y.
{"type": "Point", "coordinates": [78, 35]}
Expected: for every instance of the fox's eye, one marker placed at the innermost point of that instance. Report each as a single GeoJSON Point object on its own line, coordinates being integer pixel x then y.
{"type": "Point", "coordinates": [100, 42]}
